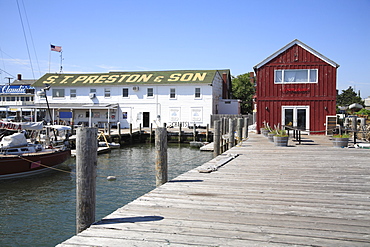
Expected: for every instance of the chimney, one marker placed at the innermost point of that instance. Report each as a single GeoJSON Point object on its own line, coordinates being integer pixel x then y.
{"type": "Point", "coordinates": [224, 86]}
{"type": "Point", "coordinates": [19, 76]}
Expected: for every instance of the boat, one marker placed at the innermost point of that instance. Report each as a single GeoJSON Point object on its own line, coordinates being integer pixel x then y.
{"type": "Point", "coordinates": [20, 157]}
{"type": "Point", "coordinates": [105, 142]}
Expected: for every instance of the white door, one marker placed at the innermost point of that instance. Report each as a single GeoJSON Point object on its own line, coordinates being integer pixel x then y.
{"type": "Point", "coordinates": [296, 116]}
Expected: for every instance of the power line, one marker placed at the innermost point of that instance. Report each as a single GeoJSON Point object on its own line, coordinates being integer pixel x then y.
{"type": "Point", "coordinates": [25, 38]}
{"type": "Point", "coordinates": [33, 44]}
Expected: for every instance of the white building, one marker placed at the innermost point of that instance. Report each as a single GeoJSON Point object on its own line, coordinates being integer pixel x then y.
{"type": "Point", "coordinates": [138, 98]}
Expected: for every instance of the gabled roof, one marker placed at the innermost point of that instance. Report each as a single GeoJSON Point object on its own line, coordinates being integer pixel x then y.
{"type": "Point", "coordinates": [130, 78]}
{"type": "Point", "coordinates": [301, 44]}
{"type": "Point", "coordinates": [23, 82]}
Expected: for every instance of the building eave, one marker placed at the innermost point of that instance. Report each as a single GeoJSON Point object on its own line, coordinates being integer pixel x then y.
{"type": "Point", "coordinates": [301, 44]}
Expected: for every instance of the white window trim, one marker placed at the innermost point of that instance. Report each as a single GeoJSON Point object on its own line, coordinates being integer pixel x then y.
{"type": "Point", "coordinates": [295, 108]}
{"type": "Point", "coordinates": [175, 93]}
{"type": "Point", "coordinates": [70, 94]}
{"type": "Point", "coordinates": [200, 92]}
{"type": "Point", "coordinates": [58, 97]}
{"type": "Point", "coordinates": [282, 76]}
{"type": "Point", "coordinates": [110, 93]}
{"type": "Point", "coordinates": [149, 97]}
{"type": "Point", "coordinates": [128, 93]}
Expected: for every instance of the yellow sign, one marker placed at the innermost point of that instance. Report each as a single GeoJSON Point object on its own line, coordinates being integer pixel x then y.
{"type": "Point", "coordinates": [125, 78]}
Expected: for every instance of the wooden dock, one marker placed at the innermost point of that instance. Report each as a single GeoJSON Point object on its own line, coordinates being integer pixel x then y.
{"type": "Point", "coordinates": [302, 195]}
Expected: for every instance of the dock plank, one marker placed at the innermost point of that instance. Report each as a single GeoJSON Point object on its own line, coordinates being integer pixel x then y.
{"type": "Point", "coordinates": [303, 195]}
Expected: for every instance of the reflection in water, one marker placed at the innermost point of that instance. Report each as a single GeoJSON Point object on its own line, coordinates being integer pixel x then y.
{"type": "Point", "coordinates": [40, 210]}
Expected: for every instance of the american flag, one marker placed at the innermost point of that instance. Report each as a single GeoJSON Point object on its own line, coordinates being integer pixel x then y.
{"type": "Point", "coordinates": [56, 48]}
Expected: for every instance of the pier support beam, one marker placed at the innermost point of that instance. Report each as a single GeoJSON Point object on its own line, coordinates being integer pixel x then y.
{"type": "Point", "coordinates": [86, 162]}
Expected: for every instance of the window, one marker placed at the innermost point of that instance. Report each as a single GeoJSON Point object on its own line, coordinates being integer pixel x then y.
{"type": "Point", "coordinates": [92, 90]}
{"type": "Point", "coordinates": [107, 92]}
{"type": "Point", "coordinates": [296, 76]}
{"type": "Point", "coordinates": [73, 93]}
{"type": "Point", "coordinates": [172, 93]}
{"type": "Point", "coordinates": [125, 92]}
{"type": "Point", "coordinates": [149, 92]}
{"type": "Point", "coordinates": [197, 92]}
{"type": "Point", "coordinates": [58, 93]}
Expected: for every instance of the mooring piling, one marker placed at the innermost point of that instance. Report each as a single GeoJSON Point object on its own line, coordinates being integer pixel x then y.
{"type": "Point", "coordinates": [161, 156]}
{"type": "Point", "coordinates": [86, 163]}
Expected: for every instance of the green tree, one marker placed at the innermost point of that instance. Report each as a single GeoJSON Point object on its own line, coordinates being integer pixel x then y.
{"type": "Point", "coordinates": [348, 97]}
{"type": "Point", "coordinates": [244, 89]}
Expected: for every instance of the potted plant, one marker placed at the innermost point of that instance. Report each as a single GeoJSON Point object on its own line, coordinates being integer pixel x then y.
{"type": "Point", "coordinates": [264, 129]}
{"type": "Point", "coordinates": [341, 141]}
{"type": "Point", "coordinates": [271, 135]}
{"type": "Point", "coordinates": [281, 138]}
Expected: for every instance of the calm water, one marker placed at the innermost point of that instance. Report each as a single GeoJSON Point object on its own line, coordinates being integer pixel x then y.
{"type": "Point", "coordinates": [40, 211]}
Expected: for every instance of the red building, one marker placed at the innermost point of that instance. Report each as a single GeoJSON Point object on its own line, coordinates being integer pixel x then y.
{"type": "Point", "coordinates": [296, 86]}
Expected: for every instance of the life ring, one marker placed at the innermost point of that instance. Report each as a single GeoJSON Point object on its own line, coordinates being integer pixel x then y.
{"type": "Point", "coordinates": [113, 116]}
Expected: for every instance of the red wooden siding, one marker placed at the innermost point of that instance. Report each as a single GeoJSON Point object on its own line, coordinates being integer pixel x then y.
{"type": "Point", "coordinates": [320, 97]}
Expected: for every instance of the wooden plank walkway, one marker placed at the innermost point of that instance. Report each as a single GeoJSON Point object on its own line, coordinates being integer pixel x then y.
{"type": "Point", "coordinates": [303, 195]}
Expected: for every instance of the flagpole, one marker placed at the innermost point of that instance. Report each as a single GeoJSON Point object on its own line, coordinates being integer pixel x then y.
{"type": "Point", "coordinates": [49, 56]}
{"type": "Point", "coordinates": [61, 61]}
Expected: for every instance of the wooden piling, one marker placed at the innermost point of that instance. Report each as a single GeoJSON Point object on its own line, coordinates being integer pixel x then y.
{"type": "Point", "coordinates": [119, 132]}
{"type": "Point", "coordinates": [245, 128]}
{"type": "Point", "coordinates": [151, 133]}
{"type": "Point", "coordinates": [161, 156]}
{"type": "Point", "coordinates": [239, 130]}
{"type": "Point", "coordinates": [180, 130]}
{"type": "Point", "coordinates": [130, 133]}
{"type": "Point", "coordinates": [109, 130]}
{"type": "Point", "coordinates": [86, 162]}
{"type": "Point", "coordinates": [207, 133]}
{"type": "Point", "coordinates": [217, 138]}
{"type": "Point", "coordinates": [194, 132]}
{"type": "Point", "coordinates": [231, 133]}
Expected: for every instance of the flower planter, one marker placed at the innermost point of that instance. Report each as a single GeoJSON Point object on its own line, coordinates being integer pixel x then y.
{"type": "Point", "coordinates": [264, 132]}
{"type": "Point", "coordinates": [271, 136]}
{"type": "Point", "coordinates": [340, 142]}
{"type": "Point", "coordinates": [281, 141]}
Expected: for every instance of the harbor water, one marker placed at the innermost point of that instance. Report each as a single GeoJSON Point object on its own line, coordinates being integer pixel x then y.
{"type": "Point", "coordinates": [41, 210]}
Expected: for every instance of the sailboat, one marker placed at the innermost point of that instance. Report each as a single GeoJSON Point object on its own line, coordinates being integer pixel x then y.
{"type": "Point", "coordinates": [20, 157]}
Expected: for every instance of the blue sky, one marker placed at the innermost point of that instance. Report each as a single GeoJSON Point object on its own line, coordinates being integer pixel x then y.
{"type": "Point", "coordinates": [119, 35]}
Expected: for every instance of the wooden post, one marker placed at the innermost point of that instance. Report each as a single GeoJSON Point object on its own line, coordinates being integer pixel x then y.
{"type": "Point", "coordinates": [119, 132]}
{"type": "Point", "coordinates": [130, 133]}
{"type": "Point", "coordinates": [194, 132]}
{"type": "Point", "coordinates": [109, 128]}
{"type": "Point", "coordinates": [231, 133]}
{"type": "Point", "coordinates": [240, 130]}
{"type": "Point", "coordinates": [223, 131]}
{"type": "Point", "coordinates": [86, 162]}
{"type": "Point", "coordinates": [161, 156]}
{"type": "Point", "coordinates": [207, 133]}
{"type": "Point", "coordinates": [217, 138]}
{"type": "Point", "coordinates": [151, 133]}
{"type": "Point", "coordinates": [180, 129]}
{"type": "Point", "coordinates": [245, 128]}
